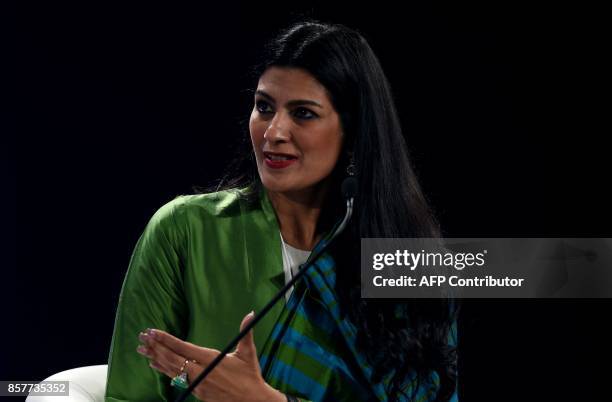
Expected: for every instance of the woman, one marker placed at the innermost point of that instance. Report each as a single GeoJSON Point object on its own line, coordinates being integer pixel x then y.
{"type": "Point", "coordinates": [322, 110]}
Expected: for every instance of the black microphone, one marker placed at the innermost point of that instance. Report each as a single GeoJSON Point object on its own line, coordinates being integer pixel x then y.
{"type": "Point", "coordinates": [349, 187]}
{"type": "Point", "coordinates": [349, 190]}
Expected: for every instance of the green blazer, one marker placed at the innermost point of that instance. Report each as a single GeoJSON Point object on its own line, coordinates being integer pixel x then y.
{"type": "Point", "coordinates": [202, 263]}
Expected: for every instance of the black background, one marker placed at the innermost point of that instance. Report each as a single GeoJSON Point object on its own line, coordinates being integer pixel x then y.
{"type": "Point", "coordinates": [120, 107]}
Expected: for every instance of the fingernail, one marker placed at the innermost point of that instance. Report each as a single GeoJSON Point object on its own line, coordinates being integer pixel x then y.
{"type": "Point", "coordinates": [143, 350]}
{"type": "Point", "coordinates": [143, 337]}
{"type": "Point", "coordinates": [151, 332]}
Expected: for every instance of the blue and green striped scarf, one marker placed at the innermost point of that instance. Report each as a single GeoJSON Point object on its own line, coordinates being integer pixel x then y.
{"type": "Point", "coordinates": [312, 352]}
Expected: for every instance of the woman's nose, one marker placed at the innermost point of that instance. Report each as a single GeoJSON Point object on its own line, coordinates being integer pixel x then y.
{"type": "Point", "coordinates": [278, 130]}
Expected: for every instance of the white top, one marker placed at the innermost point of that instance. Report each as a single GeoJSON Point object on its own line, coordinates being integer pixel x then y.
{"type": "Point", "coordinates": [292, 259]}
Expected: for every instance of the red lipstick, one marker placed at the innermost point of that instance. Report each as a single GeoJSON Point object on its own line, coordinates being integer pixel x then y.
{"type": "Point", "coordinates": [277, 160]}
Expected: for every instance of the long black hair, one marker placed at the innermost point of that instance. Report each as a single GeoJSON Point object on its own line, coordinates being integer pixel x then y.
{"type": "Point", "coordinates": [401, 336]}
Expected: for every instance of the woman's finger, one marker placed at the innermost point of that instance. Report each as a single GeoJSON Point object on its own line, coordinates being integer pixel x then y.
{"type": "Point", "coordinates": [162, 355]}
{"type": "Point", "coordinates": [168, 371]}
{"type": "Point", "coordinates": [165, 360]}
{"type": "Point", "coordinates": [183, 348]}
{"type": "Point", "coordinates": [246, 347]}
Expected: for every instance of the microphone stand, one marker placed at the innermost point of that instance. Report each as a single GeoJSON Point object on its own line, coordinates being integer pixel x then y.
{"type": "Point", "coordinates": [349, 188]}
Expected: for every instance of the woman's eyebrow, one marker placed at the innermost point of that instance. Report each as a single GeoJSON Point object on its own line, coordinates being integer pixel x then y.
{"type": "Point", "coordinates": [293, 102]}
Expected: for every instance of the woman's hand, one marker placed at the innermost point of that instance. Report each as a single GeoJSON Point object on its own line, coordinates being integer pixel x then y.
{"type": "Point", "coordinates": [236, 378]}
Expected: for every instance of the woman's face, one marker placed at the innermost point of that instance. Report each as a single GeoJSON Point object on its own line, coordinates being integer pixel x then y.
{"type": "Point", "coordinates": [295, 131]}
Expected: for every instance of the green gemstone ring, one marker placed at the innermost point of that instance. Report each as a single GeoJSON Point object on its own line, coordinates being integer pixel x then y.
{"type": "Point", "coordinates": [180, 381]}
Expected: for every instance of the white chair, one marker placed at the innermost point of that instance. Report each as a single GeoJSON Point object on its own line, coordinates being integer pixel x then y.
{"type": "Point", "coordinates": [87, 384]}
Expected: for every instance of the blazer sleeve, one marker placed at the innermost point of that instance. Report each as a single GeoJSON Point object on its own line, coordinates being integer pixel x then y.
{"type": "Point", "coordinates": [151, 297]}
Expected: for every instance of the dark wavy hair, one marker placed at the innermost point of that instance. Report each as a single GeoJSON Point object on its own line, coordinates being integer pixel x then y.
{"type": "Point", "coordinates": [394, 335]}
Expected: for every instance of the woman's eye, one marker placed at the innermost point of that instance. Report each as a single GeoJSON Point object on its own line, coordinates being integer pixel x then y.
{"type": "Point", "coordinates": [303, 113]}
{"type": "Point", "coordinates": [261, 106]}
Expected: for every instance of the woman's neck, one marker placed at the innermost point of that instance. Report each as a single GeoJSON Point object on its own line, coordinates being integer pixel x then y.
{"type": "Point", "coordinates": [298, 213]}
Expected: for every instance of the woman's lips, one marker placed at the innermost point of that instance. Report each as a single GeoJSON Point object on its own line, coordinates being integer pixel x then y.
{"type": "Point", "coordinates": [278, 161]}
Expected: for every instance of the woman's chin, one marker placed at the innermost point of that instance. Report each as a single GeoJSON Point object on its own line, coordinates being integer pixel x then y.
{"type": "Point", "coordinates": [281, 184]}
{"type": "Point", "coordinates": [278, 186]}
